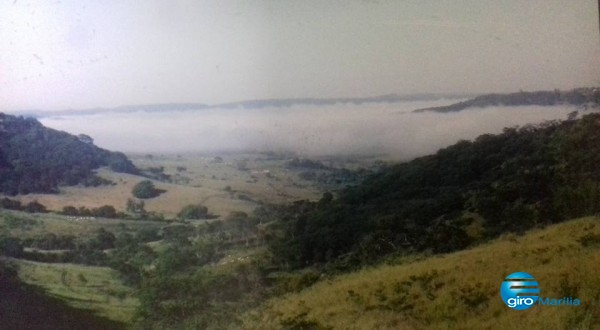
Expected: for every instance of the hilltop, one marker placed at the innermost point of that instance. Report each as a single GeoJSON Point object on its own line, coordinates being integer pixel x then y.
{"type": "Point", "coordinates": [579, 96]}
{"type": "Point", "coordinates": [36, 159]}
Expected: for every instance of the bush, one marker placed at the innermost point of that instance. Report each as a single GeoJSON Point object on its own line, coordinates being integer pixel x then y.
{"type": "Point", "coordinates": [193, 212]}
{"type": "Point", "coordinates": [145, 189]}
{"type": "Point", "coordinates": [35, 207]}
{"type": "Point", "coordinates": [106, 211]}
{"type": "Point", "coordinates": [10, 204]}
{"type": "Point", "coordinates": [70, 210]}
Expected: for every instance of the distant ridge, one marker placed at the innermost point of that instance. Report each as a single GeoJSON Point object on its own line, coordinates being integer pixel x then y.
{"type": "Point", "coordinates": [248, 104]}
{"type": "Point", "coordinates": [579, 96]}
{"type": "Point", "coordinates": [388, 98]}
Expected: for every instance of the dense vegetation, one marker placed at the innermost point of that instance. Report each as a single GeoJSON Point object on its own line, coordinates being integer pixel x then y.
{"type": "Point", "coordinates": [145, 189]}
{"type": "Point", "coordinates": [578, 96]}
{"type": "Point", "coordinates": [193, 212]}
{"type": "Point", "coordinates": [464, 194]}
{"type": "Point", "coordinates": [36, 159]}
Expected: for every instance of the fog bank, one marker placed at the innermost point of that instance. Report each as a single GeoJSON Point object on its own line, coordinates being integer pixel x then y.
{"type": "Point", "coordinates": [335, 130]}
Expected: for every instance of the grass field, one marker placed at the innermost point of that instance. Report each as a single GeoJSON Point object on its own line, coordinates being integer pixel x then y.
{"type": "Point", "coordinates": [456, 291]}
{"type": "Point", "coordinates": [234, 183]}
{"type": "Point", "coordinates": [31, 225]}
{"type": "Point", "coordinates": [92, 288]}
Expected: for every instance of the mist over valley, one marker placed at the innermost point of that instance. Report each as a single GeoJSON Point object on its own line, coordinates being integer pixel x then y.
{"type": "Point", "coordinates": [388, 129]}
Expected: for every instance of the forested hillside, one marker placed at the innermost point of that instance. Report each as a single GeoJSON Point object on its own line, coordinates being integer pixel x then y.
{"type": "Point", "coordinates": [464, 194]}
{"type": "Point", "coordinates": [36, 159]}
{"type": "Point", "coordinates": [579, 96]}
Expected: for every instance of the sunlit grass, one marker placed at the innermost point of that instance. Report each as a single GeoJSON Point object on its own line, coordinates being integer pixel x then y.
{"type": "Point", "coordinates": [458, 290]}
{"type": "Point", "coordinates": [95, 288]}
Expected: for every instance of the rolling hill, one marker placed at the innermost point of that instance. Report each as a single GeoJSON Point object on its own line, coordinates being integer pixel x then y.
{"type": "Point", "coordinates": [34, 158]}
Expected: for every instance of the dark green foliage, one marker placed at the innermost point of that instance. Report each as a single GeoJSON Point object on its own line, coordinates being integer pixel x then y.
{"type": "Point", "coordinates": [193, 212]}
{"type": "Point", "coordinates": [31, 207]}
{"type": "Point", "coordinates": [135, 206]}
{"type": "Point", "coordinates": [118, 162]}
{"type": "Point", "coordinates": [200, 300]}
{"type": "Point", "coordinates": [129, 258]}
{"type": "Point", "coordinates": [145, 189]}
{"type": "Point", "coordinates": [156, 173]}
{"type": "Point", "coordinates": [34, 207]}
{"type": "Point", "coordinates": [10, 204]}
{"type": "Point", "coordinates": [105, 211]}
{"type": "Point", "coordinates": [36, 159]}
{"type": "Point", "coordinates": [13, 222]}
{"type": "Point", "coordinates": [10, 247]}
{"type": "Point", "coordinates": [103, 240]}
{"type": "Point", "coordinates": [70, 210]}
{"type": "Point", "coordinates": [522, 178]}
{"type": "Point", "coordinates": [578, 96]}
{"type": "Point", "coordinates": [50, 241]}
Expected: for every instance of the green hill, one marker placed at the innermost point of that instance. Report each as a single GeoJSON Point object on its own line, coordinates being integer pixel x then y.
{"type": "Point", "coordinates": [462, 195]}
{"type": "Point", "coordinates": [36, 159]}
{"type": "Point", "coordinates": [458, 290]}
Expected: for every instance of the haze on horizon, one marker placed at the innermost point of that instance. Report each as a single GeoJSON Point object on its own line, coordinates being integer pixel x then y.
{"type": "Point", "coordinates": [73, 54]}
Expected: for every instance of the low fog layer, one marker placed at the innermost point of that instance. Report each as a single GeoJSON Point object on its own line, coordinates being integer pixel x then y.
{"type": "Point", "coordinates": [369, 129]}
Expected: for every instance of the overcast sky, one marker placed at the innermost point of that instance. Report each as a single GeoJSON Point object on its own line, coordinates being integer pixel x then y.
{"type": "Point", "coordinates": [82, 54]}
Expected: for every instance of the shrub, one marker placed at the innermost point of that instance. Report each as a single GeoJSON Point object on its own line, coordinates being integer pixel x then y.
{"type": "Point", "coordinates": [70, 210]}
{"type": "Point", "coordinates": [193, 212]}
{"type": "Point", "coordinates": [145, 189]}
{"type": "Point", "coordinates": [35, 207]}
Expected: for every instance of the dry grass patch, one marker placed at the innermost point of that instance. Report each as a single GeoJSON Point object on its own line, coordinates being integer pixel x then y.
{"type": "Point", "coordinates": [220, 186]}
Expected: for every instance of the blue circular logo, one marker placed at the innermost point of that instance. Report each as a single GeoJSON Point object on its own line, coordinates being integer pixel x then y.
{"type": "Point", "coordinates": [519, 291]}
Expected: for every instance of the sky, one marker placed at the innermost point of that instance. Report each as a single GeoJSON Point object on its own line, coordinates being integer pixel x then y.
{"type": "Point", "coordinates": [66, 54]}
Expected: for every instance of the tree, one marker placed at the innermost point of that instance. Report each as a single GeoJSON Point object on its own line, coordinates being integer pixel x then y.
{"type": "Point", "coordinates": [103, 240]}
{"type": "Point", "coordinates": [145, 189]}
{"type": "Point", "coordinates": [35, 207]}
{"type": "Point", "coordinates": [70, 210]}
{"type": "Point", "coordinates": [193, 212]}
{"type": "Point", "coordinates": [11, 247]}
{"type": "Point", "coordinates": [135, 206]}
{"type": "Point", "coordinates": [106, 211]}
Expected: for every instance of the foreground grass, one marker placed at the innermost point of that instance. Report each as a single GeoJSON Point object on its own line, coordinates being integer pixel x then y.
{"type": "Point", "coordinates": [458, 290]}
{"type": "Point", "coordinates": [97, 289]}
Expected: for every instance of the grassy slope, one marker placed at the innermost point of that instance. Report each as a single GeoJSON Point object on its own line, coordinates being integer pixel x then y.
{"type": "Point", "coordinates": [458, 290]}
{"type": "Point", "coordinates": [27, 307]}
{"type": "Point", "coordinates": [97, 289]}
